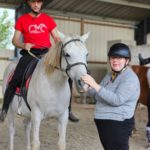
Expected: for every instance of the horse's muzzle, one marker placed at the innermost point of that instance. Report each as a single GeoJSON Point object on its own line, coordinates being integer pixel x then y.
{"type": "Point", "coordinates": [82, 87]}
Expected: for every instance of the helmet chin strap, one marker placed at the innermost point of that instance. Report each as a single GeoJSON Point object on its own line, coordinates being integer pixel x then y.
{"type": "Point", "coordinates": [116, 73]}
{"type": "Point", "coordinates": [124, 68]}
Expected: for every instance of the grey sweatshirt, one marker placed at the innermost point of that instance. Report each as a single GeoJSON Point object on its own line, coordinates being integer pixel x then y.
{"type": "Point", "coordinates": [117, 100]}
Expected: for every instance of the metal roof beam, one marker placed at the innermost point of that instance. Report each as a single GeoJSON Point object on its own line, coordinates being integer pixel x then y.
{"type": "Point", "coordinates": [78, 15]}
{"type": "Point", "coordinates": [90, 17]}
{"type": "Point", "coordinates": [47, 2]}
{"type": "Point", "coordinates": [4, 5]}
{"type": "Point", "coordinates": [127, 3]}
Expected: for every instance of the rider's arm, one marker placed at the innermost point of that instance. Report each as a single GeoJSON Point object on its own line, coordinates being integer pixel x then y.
{"type": "Point", "coordinates": [55, 35]}
{"type": "Point", "coordinates": [18, 43]}
{"type": "Point", "coordinates": [17, 40]}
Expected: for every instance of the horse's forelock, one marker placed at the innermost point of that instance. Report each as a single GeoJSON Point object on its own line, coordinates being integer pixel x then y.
{"type": "Point", "coordinates": [52, 58]}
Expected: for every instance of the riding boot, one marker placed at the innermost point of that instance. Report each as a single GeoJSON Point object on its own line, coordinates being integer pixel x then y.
{"type": "Point", "coordinates": [143, 61]}
{"type": "Point", "coordinates": [8, 96]}
{"type": "Point", "coordinates": [72, 117]}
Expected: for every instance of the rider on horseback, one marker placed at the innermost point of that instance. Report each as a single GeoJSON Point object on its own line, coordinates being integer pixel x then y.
{"type": "Point", "coordinates": [36, 28]}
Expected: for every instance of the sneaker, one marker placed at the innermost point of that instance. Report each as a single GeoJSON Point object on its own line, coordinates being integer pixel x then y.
{"type": "Point", "coordinates": [2, 116]}
{"type": "Point", "coordinates": [72, 117]}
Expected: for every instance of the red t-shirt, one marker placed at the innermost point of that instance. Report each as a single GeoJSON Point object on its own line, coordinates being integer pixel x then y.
{"type": "Point", "coordinates": [36, 30]}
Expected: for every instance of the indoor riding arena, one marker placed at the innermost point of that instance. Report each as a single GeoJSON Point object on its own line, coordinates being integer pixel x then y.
{"type": "Point", "coordinates": [107, 22]}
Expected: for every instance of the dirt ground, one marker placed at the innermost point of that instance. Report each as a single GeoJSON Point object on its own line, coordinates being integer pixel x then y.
{"type": "Point", "coordinates": [80, 136]}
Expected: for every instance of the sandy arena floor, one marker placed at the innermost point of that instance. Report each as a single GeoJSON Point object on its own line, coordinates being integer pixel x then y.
{"type": "Point", "coordinates": [80, 136]}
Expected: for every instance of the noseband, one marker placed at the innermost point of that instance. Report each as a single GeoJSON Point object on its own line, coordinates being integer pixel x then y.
{"type": "Point", "coordinates": [69, 66]}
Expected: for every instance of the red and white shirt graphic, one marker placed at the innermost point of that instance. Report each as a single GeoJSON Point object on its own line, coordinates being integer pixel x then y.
{"type": "Point", "coordinates": [36, 30]}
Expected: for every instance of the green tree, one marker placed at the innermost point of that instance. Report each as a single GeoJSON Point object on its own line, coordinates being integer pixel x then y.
{"type": "Point", "coordinates": [6, 29]}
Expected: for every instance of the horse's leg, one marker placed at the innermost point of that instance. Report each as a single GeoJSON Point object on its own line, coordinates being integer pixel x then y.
{"type": "Point", "coordinates": [11, 126]}
{"type": "Point", "coordinates": [27, 126]}
{"type": "Point", "coordinates": [36, 120]}
{"type": "Point", "coordinates": [62, 125]}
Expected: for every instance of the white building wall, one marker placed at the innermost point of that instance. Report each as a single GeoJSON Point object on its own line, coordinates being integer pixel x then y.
{"type": "Point", "coordinates": [5, 55]}
{"type": "Point", "coordinates": [100, 35]}
{"type": "Point", "coordinates": [68, 27]}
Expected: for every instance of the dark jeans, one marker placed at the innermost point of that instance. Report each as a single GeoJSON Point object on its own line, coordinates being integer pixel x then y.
{"type": "Point", "coordinates": [23, 65]}
{"type": "Point", "coordinates": [114, 135]}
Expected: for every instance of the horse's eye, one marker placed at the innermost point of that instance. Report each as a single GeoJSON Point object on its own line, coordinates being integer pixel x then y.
{"type": "Point", "coordinates": [67, 55]}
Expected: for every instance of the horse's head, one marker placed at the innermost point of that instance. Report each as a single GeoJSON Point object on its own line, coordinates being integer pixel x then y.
{"type": "Point", "coordinates": [74, 58]}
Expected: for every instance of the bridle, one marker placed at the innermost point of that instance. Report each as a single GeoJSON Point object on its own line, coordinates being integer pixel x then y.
{"type": "Point", "coordinates": [69, 66]}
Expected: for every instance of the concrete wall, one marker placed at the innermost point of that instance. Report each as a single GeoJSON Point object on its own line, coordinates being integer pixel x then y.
{"type": "Point", "coordinates": [5, 56]}
{"type": "Point", "coordinates": [100, 34]}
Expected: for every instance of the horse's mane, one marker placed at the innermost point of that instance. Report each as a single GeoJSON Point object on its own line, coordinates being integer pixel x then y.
{"type": "Point", "coordinates": [52, 58]}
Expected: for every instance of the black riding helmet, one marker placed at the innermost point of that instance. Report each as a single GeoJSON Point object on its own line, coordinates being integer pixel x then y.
{"type": "Point", "coordinates": [119, 50]}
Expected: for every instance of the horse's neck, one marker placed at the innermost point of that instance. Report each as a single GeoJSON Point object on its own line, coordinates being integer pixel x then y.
{"type": "Point", "coordinates": [56, 77]}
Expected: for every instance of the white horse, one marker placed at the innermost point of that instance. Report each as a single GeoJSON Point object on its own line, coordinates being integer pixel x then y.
{"type": "Point", "coordinates": [49, 92]}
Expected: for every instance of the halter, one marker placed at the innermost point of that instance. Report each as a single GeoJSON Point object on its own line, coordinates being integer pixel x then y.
{"type": "Point", "coordinates": [69, 66]}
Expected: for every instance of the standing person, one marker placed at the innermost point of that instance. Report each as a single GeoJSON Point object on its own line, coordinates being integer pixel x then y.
{"type": "Point", "coordinates": [36, 28]}
{"type": "Point", "coordinates": [116, 98]}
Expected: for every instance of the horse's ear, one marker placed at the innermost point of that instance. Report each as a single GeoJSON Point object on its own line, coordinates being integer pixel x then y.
{"type": "Point", "coordinates": [85, 36]}
{"type": "Point", "coordinates": [61, 35]}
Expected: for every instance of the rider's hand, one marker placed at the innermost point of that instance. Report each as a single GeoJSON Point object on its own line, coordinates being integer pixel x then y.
{"type": "Point", "coordinates": [28, 46]}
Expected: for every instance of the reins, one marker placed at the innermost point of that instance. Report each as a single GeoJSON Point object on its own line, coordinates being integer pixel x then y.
{"type": "Point", "coordinates": [33, 55]}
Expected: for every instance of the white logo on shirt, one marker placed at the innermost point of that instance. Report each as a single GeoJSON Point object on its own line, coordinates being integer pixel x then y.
{"type": "Point", "coordinates": [37, 28]}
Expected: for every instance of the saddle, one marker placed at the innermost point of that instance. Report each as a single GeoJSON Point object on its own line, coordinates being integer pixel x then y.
{"type": "Point", "coordinates": [19, 88]}
{"type": "Point", "coordinates": [23, 88]}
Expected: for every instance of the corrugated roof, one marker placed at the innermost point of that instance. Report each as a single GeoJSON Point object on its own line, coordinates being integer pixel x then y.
{"type": "Point", "coordinates": [131, 10]}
